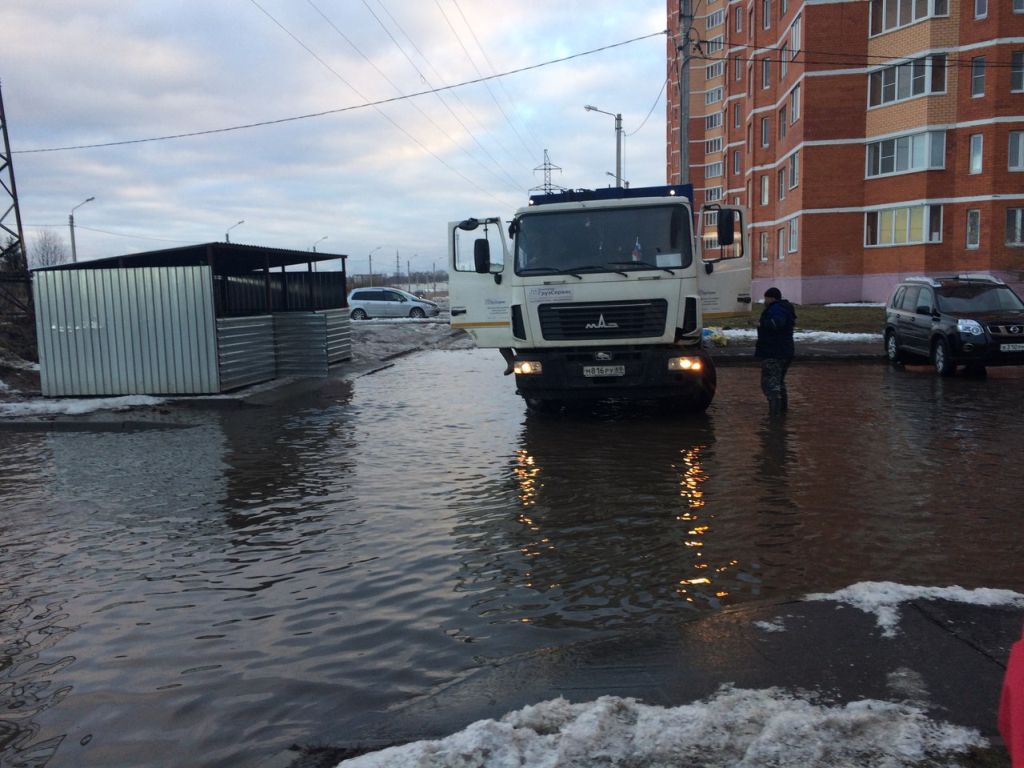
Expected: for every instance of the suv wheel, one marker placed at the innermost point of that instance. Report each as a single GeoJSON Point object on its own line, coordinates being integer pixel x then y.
{"type": "Point", "coordinates": [892, 349]}
{"type": "Point", "coordinates": [944, 365]}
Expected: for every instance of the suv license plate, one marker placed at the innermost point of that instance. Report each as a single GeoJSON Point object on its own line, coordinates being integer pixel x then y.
{"type": "Point", "coordinates": [592, 371]}
{"type": "Point", "coordinates": [1011, 347]}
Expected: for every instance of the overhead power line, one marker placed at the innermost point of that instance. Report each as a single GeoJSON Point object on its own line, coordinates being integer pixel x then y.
{"type": "Point", "coordinates": [340, 110]}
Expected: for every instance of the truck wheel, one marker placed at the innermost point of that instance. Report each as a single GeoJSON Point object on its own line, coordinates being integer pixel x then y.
{"type": "Point", "coordinates": [542, 405]}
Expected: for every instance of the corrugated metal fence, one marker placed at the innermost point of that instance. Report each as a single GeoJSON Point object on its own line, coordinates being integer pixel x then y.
{"type": "Point", "coordinates": [148, 330]}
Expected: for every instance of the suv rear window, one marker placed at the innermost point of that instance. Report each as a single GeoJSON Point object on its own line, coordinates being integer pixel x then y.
{"type": "Point", "coordinates": [977, 298]}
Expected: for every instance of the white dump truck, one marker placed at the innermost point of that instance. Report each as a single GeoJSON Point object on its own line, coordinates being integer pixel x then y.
{"type": "Point", "coordinates": [599, 294]}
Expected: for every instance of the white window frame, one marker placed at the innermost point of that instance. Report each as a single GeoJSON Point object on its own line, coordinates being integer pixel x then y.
{"type": "Point", "coordinates": [766, 14]}
{"type": "Point", "coordinates": [713, 145]}
{"type": "Point", "coordinates": [1015, 152]}
{"type": "Point", "coordinates": [783, 62]}
{"type": "Point", "coordinates": [794, 105]}
{"type": "Point", "coordinates": [780, 176]}
{"type": "Point", "coordinates": [794, 234]}
{"type": "Point", "coordinates": [737, 163]}
{"type": "Point", "coordinates": [766, 131]}
{"type": "Point", "coordinates": [931, 9]}
{"type": "Point", "coordinates": [977, 77]}
{"type": "Point", "coordinates": [781, 239]}
{"type": "Point", "coordinates": [1018, 6]}
{"type": "Point", "coordinates": [794, 38]}
{"type": "Point", "coordinates": [713, 170]}
{"type": "Point", "coordinates": [712, 194]}
{"type": "Point", "coordinates": [888, 220]}
{"type": "Point", "coordinates": [737, 115]}
{"type": "Point", "coordinates": [713, 95]}
{"type": "Point", "coordinates": [738, 18]}
{"type": "Point", "coordinates": [981, 9]}
{"type": "Point", "coordinates": [766, 72]}
{"type": "Point", "coordinates": [910, 79]}
{"type": "Point", "coordinates": [765, 188]}
{"type": "Point", "coordinates": [783, 113]}
{"type": "Point", "coordinates": [712, 120]}
{"type": "Point", "coordinates": [764, 246]}
{"type": "Point", "coordinates": [977, 147]}
{"type": "Point", "coordinates": [973, 228]}
{"type": "Point", "coordinates": [715, 44]}
{"type": "Point", "coordinates": [713, 70]}
{"type": "Point", "coordinates": [1015, 226]}
{"type": "Point", "coordinates": [793, 168]}
{"type": "Point", "coordinates": [714, 19]}
{"type": "Point", "coordinates": [1017, 72]}
{"type": "Point", "coordinates": [909, 153]}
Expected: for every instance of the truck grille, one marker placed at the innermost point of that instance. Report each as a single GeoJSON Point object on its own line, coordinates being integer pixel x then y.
{"type": "Point", "coordinates": [603, 320]}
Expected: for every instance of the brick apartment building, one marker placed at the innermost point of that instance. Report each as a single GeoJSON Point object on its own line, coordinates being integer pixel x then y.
{"type": "Point", "coordinates": [870, 139]}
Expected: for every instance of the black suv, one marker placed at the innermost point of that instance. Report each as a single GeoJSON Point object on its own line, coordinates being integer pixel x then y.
{"type": "Point", "coordinates": [971, 320]}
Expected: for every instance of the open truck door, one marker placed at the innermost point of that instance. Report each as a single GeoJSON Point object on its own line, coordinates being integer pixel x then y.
{"type": "Point", "coordinates": [477, 287]}
{"type": "Point", "coordinates": [724, 276]}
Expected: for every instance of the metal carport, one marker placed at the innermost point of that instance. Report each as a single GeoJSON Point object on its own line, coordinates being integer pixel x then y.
{"type": "Point", "coordinates": [201, 319]}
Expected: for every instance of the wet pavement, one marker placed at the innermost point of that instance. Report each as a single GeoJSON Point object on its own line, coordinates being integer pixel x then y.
{"type": "Point", "coordinates": [393, 553]}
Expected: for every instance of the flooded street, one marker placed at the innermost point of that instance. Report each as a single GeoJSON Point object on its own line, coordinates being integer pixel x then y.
{"type": "Point", "coordinates": [213, 586]}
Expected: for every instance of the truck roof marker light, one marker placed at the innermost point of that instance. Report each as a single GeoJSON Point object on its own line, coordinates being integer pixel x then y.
{"type": "Point", "coordinates": [689, 364]}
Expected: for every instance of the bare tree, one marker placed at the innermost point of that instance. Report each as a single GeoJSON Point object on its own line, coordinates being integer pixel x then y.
{"type": "Point", "coordinates": [48, 249]}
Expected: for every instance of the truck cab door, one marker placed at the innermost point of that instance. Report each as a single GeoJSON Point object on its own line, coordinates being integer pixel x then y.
{"type": "Point", "coordinates": [723, 277]}
{"type": "Point", "coordinates": [478, 289]}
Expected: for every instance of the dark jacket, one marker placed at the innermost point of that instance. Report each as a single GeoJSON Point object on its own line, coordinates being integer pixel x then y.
{"type": "Point", "coordinates": [775, 331]}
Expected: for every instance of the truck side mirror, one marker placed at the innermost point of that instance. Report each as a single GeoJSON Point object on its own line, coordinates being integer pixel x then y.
{"type": "Point", "coordinates": [482, 256]}
{"type": "Point", "coordinates": [726, 226]}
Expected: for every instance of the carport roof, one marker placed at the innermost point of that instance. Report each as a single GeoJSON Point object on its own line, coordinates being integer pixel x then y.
{"type": "Point", "coordinates": [224, 258]}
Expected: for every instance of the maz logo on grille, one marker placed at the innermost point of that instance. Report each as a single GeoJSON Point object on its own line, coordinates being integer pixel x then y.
{"type": "Point", "coordinates": [600, 324]}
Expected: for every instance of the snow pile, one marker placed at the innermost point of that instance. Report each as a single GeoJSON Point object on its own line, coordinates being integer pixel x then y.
{"type": "Point", "coordinates": [751, 333]}
{"type": "Point", "coordinates": [75, 407]}
{"type": "Point", "coordinates": [733, 728]}
{"type": "Point", "coordinates": [883, 599]}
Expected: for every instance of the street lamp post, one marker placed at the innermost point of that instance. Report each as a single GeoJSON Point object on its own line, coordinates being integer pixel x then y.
{"type": "Point", "coordinates": [318, 242]}
{"type": "Point", "coordinates": [228, 239]}
{"type": "Point", "coordinates": [618, 140]}
{"type": "Point", "coordinates": [71, 225]}
{"type": "Point", "coordinates": [370, 257]}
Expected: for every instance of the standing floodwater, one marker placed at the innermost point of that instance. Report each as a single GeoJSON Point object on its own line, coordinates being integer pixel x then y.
{"type": "Point", "coordinates": [221, 582]}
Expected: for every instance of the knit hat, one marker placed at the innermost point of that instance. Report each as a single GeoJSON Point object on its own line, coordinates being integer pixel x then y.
{"type": "Point", "coordinates": [773, 293]}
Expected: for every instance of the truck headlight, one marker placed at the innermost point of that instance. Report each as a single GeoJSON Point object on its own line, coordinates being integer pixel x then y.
{"type": "Point", "coordinates": [527, 367]}
{"type": "Point", "coordinates": [971, 327]}
{"type": "Point", "coordinates": [693, 364]}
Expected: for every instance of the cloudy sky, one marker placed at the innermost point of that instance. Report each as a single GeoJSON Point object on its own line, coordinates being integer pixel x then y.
{"type": "Point", "coordinates": [381, 179]}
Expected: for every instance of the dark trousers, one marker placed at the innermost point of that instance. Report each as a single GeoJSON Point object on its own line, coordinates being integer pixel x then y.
{"type": "Point", "coordinates": [773, 377]}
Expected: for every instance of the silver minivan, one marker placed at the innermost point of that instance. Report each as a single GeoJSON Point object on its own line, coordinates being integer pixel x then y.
{"type": "Point", "coordinates": [388, 302]}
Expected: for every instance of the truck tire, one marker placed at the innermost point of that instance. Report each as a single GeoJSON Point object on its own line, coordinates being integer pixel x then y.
{"type": "Point", "coordinates": [543, 405]}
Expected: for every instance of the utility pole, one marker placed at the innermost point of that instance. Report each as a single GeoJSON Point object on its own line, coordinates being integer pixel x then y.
{"type": "Point", "coordinates": [398, 270]}
{"type": "Point", "coordinates": [683, 57]}
{"type": "Point", "coordinates": [408, 269]}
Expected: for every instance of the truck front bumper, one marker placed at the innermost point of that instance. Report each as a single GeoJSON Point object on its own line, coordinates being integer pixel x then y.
{"type": "Point", "coordinates": [635, 373]}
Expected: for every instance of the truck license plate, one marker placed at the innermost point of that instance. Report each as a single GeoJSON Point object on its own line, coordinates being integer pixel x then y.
{"type": "Point", "coordinates": [592, 371]}
{"type": "Point", "coordinates": [1011, 347]}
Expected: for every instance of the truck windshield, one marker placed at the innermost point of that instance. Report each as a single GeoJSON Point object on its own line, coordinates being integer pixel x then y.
{"type": "Point", "coordinates": [604, 240]}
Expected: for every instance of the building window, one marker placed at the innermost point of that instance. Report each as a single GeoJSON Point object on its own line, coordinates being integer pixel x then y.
{"type": "Point", "coordinates": [973, 228]}
{"type": "Point", "coordinates": [976, 145]}
{"type": "Point", "coordinates": [712, 120]}
{"type": "Point", "coordinates": [711, 146]}
{"type": "Point", "coordinates": [715, 44]}
{"type": "Point", "coordinates": [713, 170]}
{"type": "Point", "coordinates": [737, 68]}
{"type": "Point", "coordinates": [782, 123]}
{"type": "Point", "coordinates": [978, 76]}
{"type": "Point", "coordinates": [1015, 226]}
{"type": "Point", "coordinates": [764, 189]}
{"type": "Point", "coordinates": [765, 131]}
{"type": "Point", "coordinates": [783, 63]}
{"type": "Point", "coordinates": [736, 164]}
{"type": "Point", "coordinates": [713, 96]}
{"type": "Point", "coordinates": [715, 19]}
{"type": "Point", "coordinates": [766, 72]}
{"type": "Point", "coordinates": [1018, 6]}
{"type": "Point", "coordinates": [764, 246]}
{"type": "Point", "coordinates": [903, 154]}
{"type": "Point", "coordinates": [750, 137]}
{"type": "Point", "coordinates": [917, 77]}
{"type": "Point", "coordinates": [793, 235]}
{"type": "Point", "coordinates": [783, 7]}
{"type": "Point", "coordinates": [781, 239]}
{"type": "Point", "coordinates": [794, 105]}
{"type": "Point", "coordinates": [1017, 72]}
{"type": "Point", "coordinates": [904, 225]}
{"type": "Point", "coordinates": [980, 9]}
{"type": "Point", "coordinates": [887, 15]}
{"type": "Point", "coordinates": [1016, 153]}
{"type": "Point", "coordinates": [794, 169]}
{"type": "Point", "coordinates": [794, 39]}
{"type": "Point", "coordinates": [738, 16]}
{"type": "Point", "coordinates": [712, 194]}
{"type": "Point", "coordinates": [781, 179]}
{"type": "Point", "coordinates": [750, 21]}
{"type": "Point", "coordinates": [711, 71]}
{"type": "Point", "coordinates": [737, 115]}
{"type": "Point", "coordinates": [766, 14]}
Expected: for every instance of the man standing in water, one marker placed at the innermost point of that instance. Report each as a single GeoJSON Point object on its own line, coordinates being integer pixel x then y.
{"type": "Point", "coordinates": [775, 349]}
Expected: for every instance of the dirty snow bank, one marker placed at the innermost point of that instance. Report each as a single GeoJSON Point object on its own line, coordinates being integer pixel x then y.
{"type": "Point", "coordinates": [75, 407]}
{"type": "Point", "coordinates": [751, 333]}
{"type": "Point", "coordinates": [733, 728]}
{"type": "Point", "coordinates": [883, 599]}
